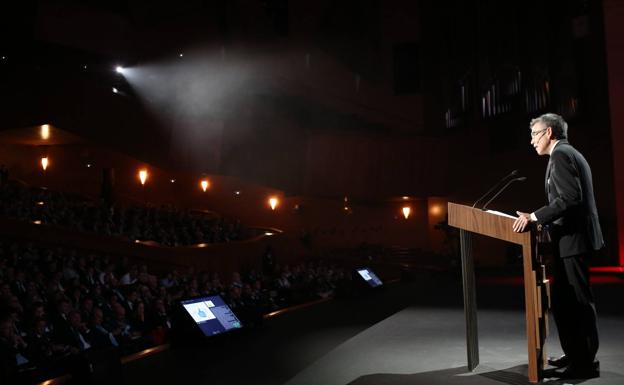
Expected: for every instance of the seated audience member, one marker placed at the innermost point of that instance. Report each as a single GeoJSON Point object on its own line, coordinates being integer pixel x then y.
{"type": "Point", "coordinates": [130, 277]}
{"type": "Point", "coordinates": [86, 308]}
{"type": "Point", "coordinates": [60, 320]}
{"type": "Point", "coordinates": [138, 319]}
{"type": "Point", "coordinates": [33, 295]}
{"type": "Point", "coordinates": [101, 337]}
{"type": "Point", "coordinates": [20, 286]}
{"type": "Point", "coordinates": [12, 349]}
{"type": "Point", "coordinates": [8, 351]}
{"type": "Point", "coordinates": [41, 348]}
{"type": "Point", "coordinates": [120, 326]}
{"type": "Point", "coordinates": [160, 321]}
{"type": "Point", "coordinates": [76, 336]}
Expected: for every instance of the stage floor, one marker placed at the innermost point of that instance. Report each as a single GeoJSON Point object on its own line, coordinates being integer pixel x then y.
{"type": "Point", "coordinates": [421, 345]}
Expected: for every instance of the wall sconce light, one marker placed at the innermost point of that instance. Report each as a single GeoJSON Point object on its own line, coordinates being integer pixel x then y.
{"type": "Point", "coordinates": [143, 177]}
{"type": "Point", "coordinates": [45, 132]}
{"type": "Point", "coordinates": [435, 210]}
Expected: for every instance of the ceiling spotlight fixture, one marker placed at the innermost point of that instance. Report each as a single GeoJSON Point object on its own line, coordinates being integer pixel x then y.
{"type": "Point", "coordinates": [181, 55]}
{"type": "Point", "coordinates": [119, 69]}
{"type": "Point", "coordinates": [115, 90]}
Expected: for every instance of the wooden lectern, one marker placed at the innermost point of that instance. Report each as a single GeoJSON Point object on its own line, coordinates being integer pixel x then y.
{"type": "Point", "coordinates": [536, 286]}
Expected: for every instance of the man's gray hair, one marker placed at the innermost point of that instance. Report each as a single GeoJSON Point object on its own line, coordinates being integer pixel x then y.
{"type": "Point", "coordinates": [555, 122]}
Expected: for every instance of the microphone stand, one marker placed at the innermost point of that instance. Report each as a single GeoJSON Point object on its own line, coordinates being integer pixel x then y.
{"type": "Point", "coordinates": [519, 179]}
{"type": "Point", "coordinates": [513, 173]}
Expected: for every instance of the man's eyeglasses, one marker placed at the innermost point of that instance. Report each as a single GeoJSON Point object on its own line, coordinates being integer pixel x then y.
{"type": "Point", "coordinates": [536, 133]}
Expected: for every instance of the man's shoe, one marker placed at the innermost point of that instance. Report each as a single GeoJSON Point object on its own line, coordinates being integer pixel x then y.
{"type": "Point", "coordinates": [580, 373]}
{"type": "Point", "coordinates": [560, 362]}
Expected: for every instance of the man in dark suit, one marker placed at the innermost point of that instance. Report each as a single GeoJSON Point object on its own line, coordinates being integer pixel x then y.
{"type": "Point", "coordinates": [572, 221]}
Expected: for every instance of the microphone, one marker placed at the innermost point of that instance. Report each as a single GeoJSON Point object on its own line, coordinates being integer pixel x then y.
{"type": "Point", "coordinates": [497, 185]}
{"type": "Point", "coordinates": [519, 179]}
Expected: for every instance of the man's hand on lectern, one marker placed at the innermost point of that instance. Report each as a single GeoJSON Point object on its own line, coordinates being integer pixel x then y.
{"type": "Point", "coordinates": [521, 223]}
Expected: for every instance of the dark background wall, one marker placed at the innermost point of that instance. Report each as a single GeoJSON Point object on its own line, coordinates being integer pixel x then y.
{"type": "Point", "coordinates": [370, 99]}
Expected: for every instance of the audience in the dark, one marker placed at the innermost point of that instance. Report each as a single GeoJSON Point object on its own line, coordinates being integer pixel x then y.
{"type": "Point", "coordinates": [166, 225]}
{"type": "Point", "coordinates": [58, 305]}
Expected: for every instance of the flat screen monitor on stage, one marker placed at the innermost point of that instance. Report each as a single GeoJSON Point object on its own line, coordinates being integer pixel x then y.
{"type": "Point", "coordinates": [212, 315]}
{"type": "Point", "coordinates": [370, 277]}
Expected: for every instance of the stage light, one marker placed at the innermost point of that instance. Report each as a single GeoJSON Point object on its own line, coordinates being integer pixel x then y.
{"type": "Point", "coordinates": [406, 211]}
{"type": "Point", "coordinates": [143, 177]}
{"type": "Point", "coordinates": [204, 184]}
{"type": "Point", "coordinates": [273, 202]}
{"type": "Point", "coordinates": [44, 163]}
{"type": "Point", "coordinates": [405, 198]}
{"type": "Point", "coordinates": [45, 132]}
{"type": "Point", "coordinates": [237, 193]}
{"type": "Point", "coordinates": [181, 55]}
{"type": "Point", "coordinates": [119, 69]}
{"type": "Point", "coordinates": [172, 180]}
{"type": "Point", "coordinates": [115, 90]}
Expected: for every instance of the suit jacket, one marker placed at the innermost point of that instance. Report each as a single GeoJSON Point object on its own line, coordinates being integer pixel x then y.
{"type": "Point", "coordinates": [571, 210]}
{"type": "Point", "coordinates": [39, 348]}
{"type": "Point", "coordinates": [100, 338]}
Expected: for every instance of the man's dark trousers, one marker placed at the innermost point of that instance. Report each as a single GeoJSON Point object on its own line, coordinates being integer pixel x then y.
{"type": "Point", "coordinates": [574, 310]}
